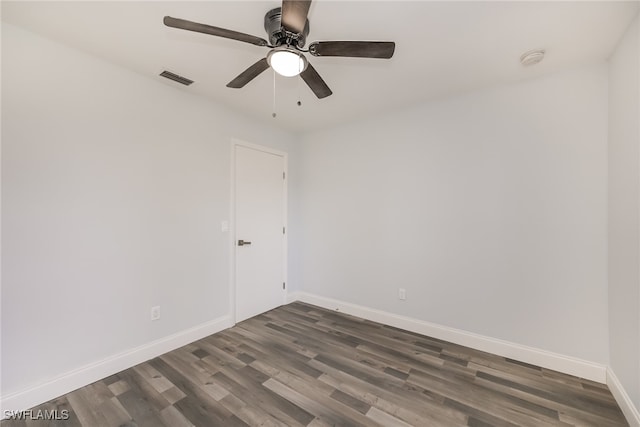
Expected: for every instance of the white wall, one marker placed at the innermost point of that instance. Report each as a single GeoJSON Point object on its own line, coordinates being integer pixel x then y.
{"type": "Point", "coordinates": [489, 209]}
{"type": "Point", "coordinates": [113, 189]}
{"type": "Point", "coordinates": [624, 212]}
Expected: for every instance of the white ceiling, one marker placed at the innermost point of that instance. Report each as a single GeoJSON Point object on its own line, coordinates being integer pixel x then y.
{"type": "Point", "coordinates": [442, 48]}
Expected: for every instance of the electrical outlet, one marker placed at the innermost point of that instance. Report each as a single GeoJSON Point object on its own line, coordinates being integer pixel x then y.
{"type": "Point", "coordinates": [155, 312]}
{"type": "Point", "coordinates": [402, 294]}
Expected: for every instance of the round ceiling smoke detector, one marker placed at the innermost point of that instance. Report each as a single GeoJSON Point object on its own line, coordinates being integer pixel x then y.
{"type": "Point", "coordinates": [532, 57]}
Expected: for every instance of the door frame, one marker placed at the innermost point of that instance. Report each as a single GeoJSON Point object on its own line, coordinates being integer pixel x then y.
{"type": "Point", "coordinates": [232, 221]}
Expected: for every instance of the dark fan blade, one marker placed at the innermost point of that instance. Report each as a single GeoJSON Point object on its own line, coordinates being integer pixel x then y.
{"type": "Point", "coordinates": [294, 15]}
{"type": "Point", "coordinates": [214, 31]}
{"type": "Point", "coordinates": [315, 82]}
{"type": "Point", "coordinates": [249, 74]}
{"type": "Point", "coordinates": [353, 49]}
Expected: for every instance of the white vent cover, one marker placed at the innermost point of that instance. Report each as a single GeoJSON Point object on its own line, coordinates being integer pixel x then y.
{"type": "Point", "coordinates": [176, 78]}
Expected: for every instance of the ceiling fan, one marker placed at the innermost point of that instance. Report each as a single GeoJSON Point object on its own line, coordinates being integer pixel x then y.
{"type": "Point", "coordinates": [288, 28]}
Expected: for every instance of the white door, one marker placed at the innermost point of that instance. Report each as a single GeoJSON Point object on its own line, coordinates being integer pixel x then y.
{"type": "Point", "coordinates": [260, 206]}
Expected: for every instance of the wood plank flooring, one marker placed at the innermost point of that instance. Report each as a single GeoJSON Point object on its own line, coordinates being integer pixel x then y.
{"type": "Point", "coordinates": [301, 365]}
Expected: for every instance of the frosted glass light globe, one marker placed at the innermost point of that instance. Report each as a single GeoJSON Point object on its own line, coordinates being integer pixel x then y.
{"type": "Point", "coordinates": [287, 63]}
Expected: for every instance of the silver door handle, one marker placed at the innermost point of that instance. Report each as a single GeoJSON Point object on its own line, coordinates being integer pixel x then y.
{"type": "Point", "coordinates": [243, 242]}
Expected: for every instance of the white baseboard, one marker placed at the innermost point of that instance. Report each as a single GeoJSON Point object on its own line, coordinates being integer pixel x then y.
{"type": "Point", "coordinates": [624, 401]}
{"type": "Point", "coordinates": [546, 359]}
{"type": "Point", "coordinates": [69, 381]}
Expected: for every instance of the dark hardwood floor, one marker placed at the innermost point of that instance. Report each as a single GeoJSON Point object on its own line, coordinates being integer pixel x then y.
{"type": "Point", "coordinates": [300, 365]}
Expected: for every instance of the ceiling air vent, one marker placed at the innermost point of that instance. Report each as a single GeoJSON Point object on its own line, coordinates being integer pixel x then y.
{"type": "Point", "coordinates": [176, 78]}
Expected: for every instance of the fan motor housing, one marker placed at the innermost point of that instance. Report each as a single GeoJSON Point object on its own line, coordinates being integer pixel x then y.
{"type": "Point", "coordinates": [278, 35]}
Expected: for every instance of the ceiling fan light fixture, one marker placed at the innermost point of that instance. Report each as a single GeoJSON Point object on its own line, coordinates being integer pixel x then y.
{"type": "Point", "coordinates": [288, 27]}
{"type": "Point", "coordinates": [287, 62]}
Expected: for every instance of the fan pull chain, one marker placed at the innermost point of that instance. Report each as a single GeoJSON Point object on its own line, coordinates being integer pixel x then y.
{"type": "Point", "coordinates": [298, 85]}
{"type": "Point", "coordinates": [274, 95]}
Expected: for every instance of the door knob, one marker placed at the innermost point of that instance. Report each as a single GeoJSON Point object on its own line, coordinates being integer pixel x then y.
{"type": "Point", "coordinates": [243, 242]}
